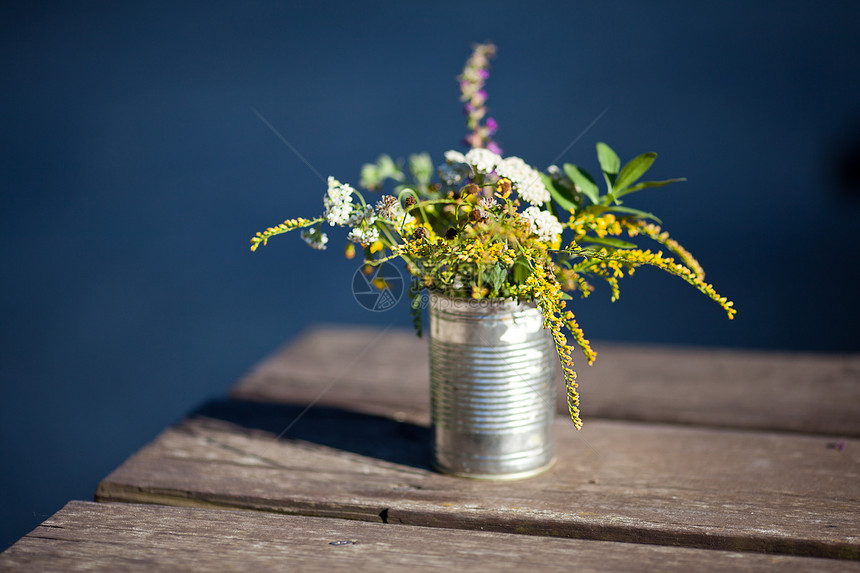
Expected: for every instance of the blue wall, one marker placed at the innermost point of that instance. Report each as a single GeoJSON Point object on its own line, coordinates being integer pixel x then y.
{"type": "Point", "coordinates": [134, 170]}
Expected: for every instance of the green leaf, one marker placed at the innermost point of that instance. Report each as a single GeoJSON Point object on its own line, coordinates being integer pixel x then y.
{"type": "Point", "coordinates": [522, 270]}
{"type": "Point", "coordinates": [588, 253]}
{"type": "Point", "coordinates": [609, 242]}
{"type": "Point", "coordinates": [609, 163]}
{"type": "Point", "coordinates": [583, 181]}
{"type": "Point", "coordinates": [635, 169]}
{"type": "Point", "coordinates": [647, 184]}
{"type": "Point", "coordinates": [496, 276]}
{"type": "Point", "coordinates": [596, 209]}
{"type": "Point", "coordinates": [561, 195]}
{"type": "Point", "coordinates": [634, 212]}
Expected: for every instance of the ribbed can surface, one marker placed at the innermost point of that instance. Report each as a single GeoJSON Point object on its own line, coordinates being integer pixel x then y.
{"type": "Point", "coordinates": [492, 368]}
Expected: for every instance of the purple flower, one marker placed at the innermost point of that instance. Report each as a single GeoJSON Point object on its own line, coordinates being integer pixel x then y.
{"type": "Point", "coordinates": [493, 146]}
{"type": "Point", "coordinates": [492, 126]}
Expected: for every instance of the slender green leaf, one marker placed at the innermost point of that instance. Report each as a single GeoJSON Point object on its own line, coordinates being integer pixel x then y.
{"type": "Point", "coordinates": [635, 213]}
{"type": "Point", "coordinates": [583, 181]}
{"type": "Point", "coordinates": [647, 184]}
{"type": "Point", "coordinates": [609, 242]}
{"type": "Point", "coordinates": [635, 169]}
{"type": "Point", "coordinates": [497, 276]}
{"type": "Point", "coordinates": [596, 209]}
{"type": "Point", "coordinates": [610, 181]}
{"type": "Point", "coordinates": [553, 208]}
{"type": "Point", "coordinates": [521, 270]}
{"type": "Point", "coordinates": [561, 195]}
{"type": "Point", "coordinates": [609, 163]}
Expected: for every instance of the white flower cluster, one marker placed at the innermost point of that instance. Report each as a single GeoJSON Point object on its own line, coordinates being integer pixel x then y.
{"type": "Point", "coordinates": [315, 238]}
{"type": "Point", "coordinates": [525, 179]}
{"type": "Point", "coordinates": [452, 156]}
{"type": "Point", "coordinates": [340, 210]}
{"type": "Point", "coordinates": [367, 215]}
{"type": "Point", "coordinates": [544, 224]}
{"type": "Point", "coordinates": [365, 237]}
{"type": "Point", "coordinates": [338, 202]}
{"type": "Point", "coordinates": [483, 160]}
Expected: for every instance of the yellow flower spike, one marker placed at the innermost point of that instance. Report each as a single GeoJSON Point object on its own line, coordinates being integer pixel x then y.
{"type": "Point", "coordinates": [377, 246]}
{"type": "Point", "coordinates": [286, 226]}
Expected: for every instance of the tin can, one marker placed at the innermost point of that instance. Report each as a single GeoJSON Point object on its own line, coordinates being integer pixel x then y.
{"type": "Point", "coordinates": [492, 370]}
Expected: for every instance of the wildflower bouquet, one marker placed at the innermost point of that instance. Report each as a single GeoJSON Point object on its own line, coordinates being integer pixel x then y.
{"type": "Point", "coordinates": [482, 225]}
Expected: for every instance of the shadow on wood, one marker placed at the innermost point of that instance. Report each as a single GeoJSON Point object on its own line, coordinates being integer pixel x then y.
{"type": "Point", "coordinates": [376, 437]}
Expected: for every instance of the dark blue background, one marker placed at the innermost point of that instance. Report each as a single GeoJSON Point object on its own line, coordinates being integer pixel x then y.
{"type": "Point", "coordinates": [134, 171]}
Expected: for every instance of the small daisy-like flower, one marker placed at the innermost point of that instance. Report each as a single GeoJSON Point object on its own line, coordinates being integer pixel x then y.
{"type": "Point", "coordinates": [364, 237]}
{"type": "Point", "coordinates": [315, 238]}
{"type": "Point", "coordinates": [389, 209]}
{"type": "Point", "coordinates": [543, 224]}
{"type": "Point", "coordinates": [487, 203]}
{"type": "Point", "coordinates": [483, 160]}
{"type": "Point", "coordinates": [386, 206]}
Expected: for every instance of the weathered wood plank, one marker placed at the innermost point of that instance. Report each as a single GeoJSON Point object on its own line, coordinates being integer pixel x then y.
{"type": "Point", "coordinates": [386, 371]}
{"type": "Point", "coordinates": [126, 537]}
{"type": "Point", "coordinates": [614, 481]}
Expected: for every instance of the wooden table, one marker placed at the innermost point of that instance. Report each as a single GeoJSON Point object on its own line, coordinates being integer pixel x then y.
{"type": "Point", "coordinates": [690, 459]}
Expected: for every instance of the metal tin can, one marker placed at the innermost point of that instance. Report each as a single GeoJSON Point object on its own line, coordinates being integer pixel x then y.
{"type": "Point", "coordinates": [492, 367]}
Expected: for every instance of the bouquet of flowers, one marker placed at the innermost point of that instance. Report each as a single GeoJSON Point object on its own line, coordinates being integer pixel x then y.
{"type": "Point", "coordinates": [483, 225]}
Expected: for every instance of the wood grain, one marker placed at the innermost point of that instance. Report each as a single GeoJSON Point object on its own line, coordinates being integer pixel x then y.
{"type": "Point", "coordinates": [614, 481]}
{"type": "Point", "coordinates": [126, 537]}
{"type": "Point", "coordinates": [385, 372]}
